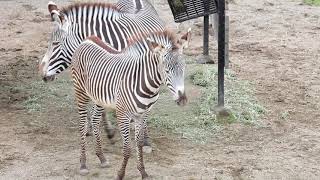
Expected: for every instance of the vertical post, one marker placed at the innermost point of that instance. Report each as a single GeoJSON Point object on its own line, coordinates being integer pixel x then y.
{"type": "Point", "coordinates": [221, 52]}
{"type": "Point", "coordinates": [205, 58]}
{"type": "Point", "coordinates": [227, 60]}
{"type": "Point", "coordinates": [206, 35]}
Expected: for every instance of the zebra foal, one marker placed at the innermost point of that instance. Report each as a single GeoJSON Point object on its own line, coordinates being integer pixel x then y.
{"type": "Point", "coordinates": [128, 81]}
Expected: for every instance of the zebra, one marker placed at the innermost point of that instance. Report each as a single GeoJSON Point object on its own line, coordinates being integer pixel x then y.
{"type": "Point", "coordinates": [128, 81]}
{"type": "Point", "coordinates": [113, 23]}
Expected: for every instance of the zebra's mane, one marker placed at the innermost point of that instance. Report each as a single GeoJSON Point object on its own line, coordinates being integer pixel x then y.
{"type": "Point", "coordinates": [77, 5]}
{"type": "Point", "coordinates": [103, 45]}
{"type": "Point", "coordinates": [169, 36]}
{"type": "Point", "coordinates": [140, 38]}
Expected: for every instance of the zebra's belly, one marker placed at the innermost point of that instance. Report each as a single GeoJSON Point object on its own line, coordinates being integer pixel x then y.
{"type": "Point", "coordinates": [110, 106]}
{"type": "Point", "coordinates": [106, 103]}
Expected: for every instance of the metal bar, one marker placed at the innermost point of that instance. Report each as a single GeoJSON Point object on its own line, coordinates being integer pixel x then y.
{"type": "Point", "coordinates": [227, 61]}
{"type": "Point", "coordinates": [206, 35]}
{"type": "Point", "coordinates": [221, 52]}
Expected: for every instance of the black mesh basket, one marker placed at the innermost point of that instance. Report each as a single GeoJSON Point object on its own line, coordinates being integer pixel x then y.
{"type": "Point", "coordinates": [183, 10]}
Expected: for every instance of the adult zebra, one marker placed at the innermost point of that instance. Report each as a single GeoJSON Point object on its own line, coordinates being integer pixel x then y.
{"type": "Point", "coordinates": [112, 23]}
{"type": "Point", "coordinates": [128, 81]}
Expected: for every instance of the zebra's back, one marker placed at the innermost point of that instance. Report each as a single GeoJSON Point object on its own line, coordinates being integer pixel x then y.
{"type": "Point", "coordinates": [97, 69]}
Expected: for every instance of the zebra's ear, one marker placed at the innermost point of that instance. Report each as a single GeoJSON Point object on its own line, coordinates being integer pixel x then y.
{"type": "Point", "coordinates": [56, 16]}
{"type": "Point", "coordinates": [185, 39]}
{"type": "Point", "coordinates": [52, 6]}
{"type": "Point", "coordinates": [138, 5]}
{"type": "Point", "coordinates": [154, 46]}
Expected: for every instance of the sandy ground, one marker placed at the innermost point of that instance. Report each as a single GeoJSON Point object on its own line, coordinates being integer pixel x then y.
{"type": "Point", "coordinates": [274, 44]}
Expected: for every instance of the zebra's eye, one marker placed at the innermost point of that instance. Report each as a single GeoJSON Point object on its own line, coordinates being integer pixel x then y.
{"type": "Point", "coordinates": [55, 43]}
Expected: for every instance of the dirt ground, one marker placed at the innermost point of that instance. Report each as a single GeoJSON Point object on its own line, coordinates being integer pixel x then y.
{"type": "Point", "coordinates": [274, 44]}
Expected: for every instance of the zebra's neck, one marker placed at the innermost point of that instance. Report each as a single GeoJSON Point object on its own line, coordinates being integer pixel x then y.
{"type": "Point", "coordinates": [151, 65]}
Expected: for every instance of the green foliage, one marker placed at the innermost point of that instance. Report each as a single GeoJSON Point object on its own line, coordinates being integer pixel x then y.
{"type": "Point", "coordinates": [284, 115]}
{"type": "Point", "coordinates": [199, 79]}
{"type": "Point", "coordinates": [313, 2]}
{"type": "Point", "coordinates": [178, 6]}
{"type": "Point", "coordinates": [178, 3]}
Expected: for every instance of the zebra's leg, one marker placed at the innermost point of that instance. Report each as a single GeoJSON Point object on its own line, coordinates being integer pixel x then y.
{"type": "Point", "coordinates": [89, 117]}
{"type": "Point", "coordinates": [82, 101]}
{"type": "Point", "coordinates": [108, 126]}
{"type": "Point", "coordinates": [96, 118]}
{"type": "Point", "coordinates": [139, 137]}
{"type": "Point", "coordinates": [146, 140]}
{"type": "Point", "coordinates": [89, 127]}
{"type": "Point", "coordinates": [124, 127]}
{"type": "Point", "coordinates": [83, 130]}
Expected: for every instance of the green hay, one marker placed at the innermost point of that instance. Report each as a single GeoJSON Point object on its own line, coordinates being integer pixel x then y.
{"type": "Point", "coordinates": [58, 93]}
{"type": "Point", "coordinates": [239, 95]}
{"type": "Point", "coordinates": [196, 121]}
{"type": "Point", "coordinates": [312, 2]}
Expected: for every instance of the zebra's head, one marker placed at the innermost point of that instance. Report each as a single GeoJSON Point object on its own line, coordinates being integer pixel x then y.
{"type": "Point", "coordinates": [173, 65]}
{"type": "Point", "coordinates": [55, 60]}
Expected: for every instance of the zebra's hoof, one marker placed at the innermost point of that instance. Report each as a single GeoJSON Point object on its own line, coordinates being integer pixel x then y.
{"type": "Point", "coordinates": [119, 177]}
{"type": "Point", "coordinates": [147, 149]}
{"type": "Point", "coordinates": [105, 164]}
{"type": "Point", "coordinates": [148, 178]}
{"type": "Point", "coordinates": [113, 141]}
{"type": "Point", "coordinates": [84, 172]}
{"type": "Point", "coordinates": [110, 133]}
{"type": "Point", "coordinates": [89, 134]}
{"type": "Point", "coordinates": [145, 176]}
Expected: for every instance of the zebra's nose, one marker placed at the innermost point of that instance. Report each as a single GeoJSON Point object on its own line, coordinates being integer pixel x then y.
{"type": "Point", "coordinates": [48, 78]}
{"type": "Point", "coordinates": [44, 79]}
{"type": "Point", "coordinates": [182, 100]}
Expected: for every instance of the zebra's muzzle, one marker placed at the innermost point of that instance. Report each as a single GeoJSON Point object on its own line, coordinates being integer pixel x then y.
{"type": "Point", "coordinates": [48, 78]}
{"type": "Point", "coordinates": [182, 100]}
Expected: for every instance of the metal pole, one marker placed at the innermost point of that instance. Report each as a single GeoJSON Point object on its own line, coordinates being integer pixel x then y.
{"type": "Point", "coordinates": [206, 35]}
{"type": "Point", "coordinates": [221, 52]}
{"type": "Point", "coordinates": [226, 59]}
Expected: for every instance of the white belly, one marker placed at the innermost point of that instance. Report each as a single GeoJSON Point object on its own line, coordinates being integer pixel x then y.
{"type": "Point", "coordinates": [110, 106]}
{"type": "Point", "coordinates": [106, 105]}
